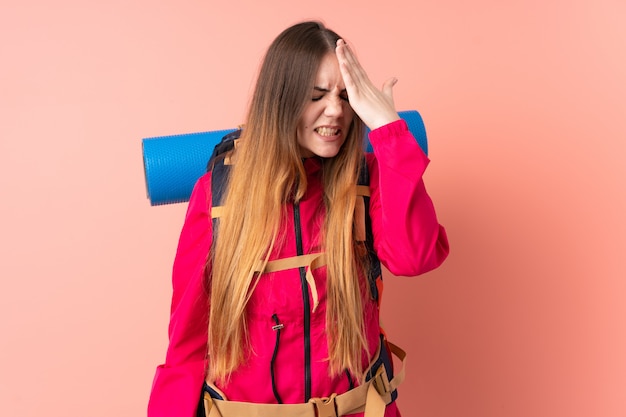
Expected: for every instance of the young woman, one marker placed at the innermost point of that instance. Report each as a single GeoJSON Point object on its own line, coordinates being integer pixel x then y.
{"type": "Point", "coordinates": [273, 298]}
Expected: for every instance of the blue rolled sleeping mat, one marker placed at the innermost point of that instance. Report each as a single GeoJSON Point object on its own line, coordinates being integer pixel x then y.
{"type": "Point", "coordinates": [173, 164]}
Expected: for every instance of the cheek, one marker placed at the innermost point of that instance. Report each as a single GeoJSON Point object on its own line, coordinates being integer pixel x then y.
{"type": "Point", "coordinates": [348, 112]}
{"type": "Point", "coordinates": [303, 124]}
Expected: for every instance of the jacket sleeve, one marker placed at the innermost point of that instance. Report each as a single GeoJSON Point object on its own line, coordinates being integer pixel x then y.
{"type": "Point", "coordinates": [177, 385]}
{"type": "Point", "coordinates": [408, 239]}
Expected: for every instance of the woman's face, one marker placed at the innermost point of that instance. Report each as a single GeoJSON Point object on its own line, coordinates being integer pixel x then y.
{"type": "Point", "coordinates": [327, 116]}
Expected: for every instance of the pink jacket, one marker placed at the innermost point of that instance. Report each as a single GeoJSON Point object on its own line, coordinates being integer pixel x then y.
{"type": "Point", "coordinates": [408, 241]}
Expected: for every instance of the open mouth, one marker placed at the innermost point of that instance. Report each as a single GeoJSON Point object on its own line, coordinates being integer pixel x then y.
{"type": "Point", "coordinates": [327, 131]}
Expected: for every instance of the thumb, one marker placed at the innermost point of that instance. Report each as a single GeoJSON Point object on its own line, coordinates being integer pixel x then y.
{"type": "Point", "coordinates": [388, 87]}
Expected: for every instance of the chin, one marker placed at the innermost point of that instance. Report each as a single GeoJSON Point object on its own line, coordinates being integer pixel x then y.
{"type": "Point", "coordinates": [327, 153]}
{"type": "Point", "coordinates": [321, 149]}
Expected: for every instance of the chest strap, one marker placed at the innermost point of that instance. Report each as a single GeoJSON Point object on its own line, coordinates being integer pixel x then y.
{"type": "Point", "coordinates": [371, 398]}
{"type": "Point", "coordinates": [309, 262]}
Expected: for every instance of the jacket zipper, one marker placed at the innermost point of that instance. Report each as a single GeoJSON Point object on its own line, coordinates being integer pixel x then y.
{"type": "Point", "coordinates": [307, 307]}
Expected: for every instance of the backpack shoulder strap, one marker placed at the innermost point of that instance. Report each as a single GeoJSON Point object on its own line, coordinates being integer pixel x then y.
{"type": "Point", "coordinates": [219, 166]}
{"type": "Point", "coordinates": [375, 271]}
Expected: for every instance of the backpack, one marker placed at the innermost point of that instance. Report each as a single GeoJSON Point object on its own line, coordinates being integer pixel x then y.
{"type": "Point", "coordinates": [219, 165]}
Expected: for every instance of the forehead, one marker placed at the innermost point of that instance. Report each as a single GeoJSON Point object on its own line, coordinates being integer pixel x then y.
{"type": "Point", "coordinates": [328, 74]}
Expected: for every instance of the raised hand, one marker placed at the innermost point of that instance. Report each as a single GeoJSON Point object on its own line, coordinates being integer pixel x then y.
{"type": "Point", "coordinates": [375, 107]}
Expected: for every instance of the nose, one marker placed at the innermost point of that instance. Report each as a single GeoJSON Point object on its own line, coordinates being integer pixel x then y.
{"type": "Point", "coordinates": [334, 107]}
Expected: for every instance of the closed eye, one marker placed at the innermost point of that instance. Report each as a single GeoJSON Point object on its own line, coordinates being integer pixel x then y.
{"type": "Point", "coordinates": [342, 95]}
{"type": "Point", "coordinates": [320, 91]}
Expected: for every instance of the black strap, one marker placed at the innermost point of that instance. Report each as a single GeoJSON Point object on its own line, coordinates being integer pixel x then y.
{"type": "Point", "coordinates": [375, 270]}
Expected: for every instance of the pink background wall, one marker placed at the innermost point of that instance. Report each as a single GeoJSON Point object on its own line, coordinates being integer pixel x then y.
{"type": "Point", "coordinates": [524, 103]}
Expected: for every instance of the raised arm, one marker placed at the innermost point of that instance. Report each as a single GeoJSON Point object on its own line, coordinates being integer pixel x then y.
{"type": "Point", "coordinates": [407, 235]}
{"type": "Point", "coordinates": [408, 238]}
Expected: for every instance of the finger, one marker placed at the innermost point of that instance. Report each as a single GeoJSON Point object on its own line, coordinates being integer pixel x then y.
{"type": "Point", "coordinates": [340, 51]}
{"type": "Point", "coordinates": [345, 61]}
{"type": "Point", "coordinates": [347, 53]}
{"type": "Point", "coordinates": [349, 60]}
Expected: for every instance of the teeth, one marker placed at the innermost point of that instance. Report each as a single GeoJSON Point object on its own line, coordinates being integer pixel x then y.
{"type": "Point", "coordinates": [326, 131]}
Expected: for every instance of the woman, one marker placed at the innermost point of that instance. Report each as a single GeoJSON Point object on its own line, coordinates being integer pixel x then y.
{"type": "Point", "coordinates": [273, 301]}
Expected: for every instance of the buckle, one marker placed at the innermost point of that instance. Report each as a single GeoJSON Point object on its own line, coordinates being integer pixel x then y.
{"type": "Point", "coordinates": [381, 381]}
{"type": "Point", "coordinates": [325, 406]}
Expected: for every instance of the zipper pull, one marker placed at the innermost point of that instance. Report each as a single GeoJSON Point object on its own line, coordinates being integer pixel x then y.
{"type": "Point", "coordinates": [277, 326]}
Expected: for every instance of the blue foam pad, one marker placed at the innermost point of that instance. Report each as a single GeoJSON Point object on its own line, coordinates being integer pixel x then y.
{"type": "Point", "coordinates": [173, 164]}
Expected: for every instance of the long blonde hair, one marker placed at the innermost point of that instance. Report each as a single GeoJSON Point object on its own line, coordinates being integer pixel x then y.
{"type": "Point", "coordinates": [269, 173]}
